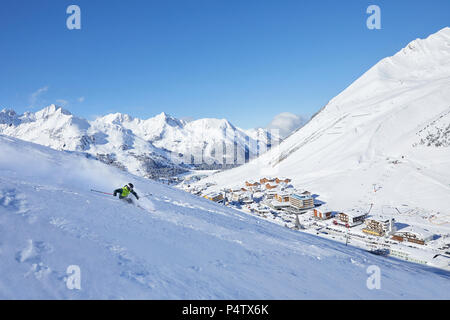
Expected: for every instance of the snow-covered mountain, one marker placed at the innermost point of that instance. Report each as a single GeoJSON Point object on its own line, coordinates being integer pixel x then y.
{"type": "Point", "coordinates": [390, 128]}
{"type": "Point", "coordinates": [161, 145]}
{"type": "Point", "coordinates": [58, 240]}
{"type": "Point", "coordinates": [204, 139]}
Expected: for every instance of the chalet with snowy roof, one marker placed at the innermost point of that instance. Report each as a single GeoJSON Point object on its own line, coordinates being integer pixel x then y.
{"type": "Point", "coordinates": [301, 201]}
{"type": "Point", "coordinates": [283, 180]}
{"type": "Point", "coordinates": [214, 196]}
{"type": "Point", "coordinates": [247, 198]}
{"type": "Point", "coordinates": [379, 227]}
{"type": "Point", "coordinates": [266, 180]}
{"type": "Point", "coordinates": [413, 234]}
{"type": "Point", "coordinates": [270, 194]}
{"type": "Point", "coordinates": [252, 183]}
{"type": "Point", "coordinates": [323, 214]}
{"type": "Point", "coordinates": [281, 196]}
{"type": "Point", "coordinates": [351, 219]}
{"type": "Point", "coordinates": [236, 197]}
{"type": "Point", "coordinates": [271, 185]}
{"type": "Point", "coordinates": [277, 205]}
{"type": "Point", "coordinates": [260, 209]}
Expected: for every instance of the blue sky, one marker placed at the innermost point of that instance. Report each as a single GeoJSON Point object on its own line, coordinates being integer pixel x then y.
{"type": "Point", "coordinates": [244, 60]}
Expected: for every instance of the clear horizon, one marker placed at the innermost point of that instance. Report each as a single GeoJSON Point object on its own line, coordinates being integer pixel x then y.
{"type": "Point", "coordinates": [243, 61]}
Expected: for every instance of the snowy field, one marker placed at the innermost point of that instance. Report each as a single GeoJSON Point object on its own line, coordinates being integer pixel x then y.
{"type": "Point", "coordinates": [179, 247]}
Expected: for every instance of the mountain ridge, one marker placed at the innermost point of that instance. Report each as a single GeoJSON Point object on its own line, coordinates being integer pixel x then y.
{"type": "Point", "coordinates": [158, 146]}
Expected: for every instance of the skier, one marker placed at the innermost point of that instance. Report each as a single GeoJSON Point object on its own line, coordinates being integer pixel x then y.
{"type": "Point", "coordinates": [125, 191]}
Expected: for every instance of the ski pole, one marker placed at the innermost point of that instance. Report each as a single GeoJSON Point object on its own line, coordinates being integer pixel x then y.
{"type": "Point", "coordinates": [110, 194]}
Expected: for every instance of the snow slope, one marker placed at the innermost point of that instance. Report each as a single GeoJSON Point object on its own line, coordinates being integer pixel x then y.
{"type": "Point", "coordinates": [179, 247]}
{"type": "Point", "coordinates": [389, 129]}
